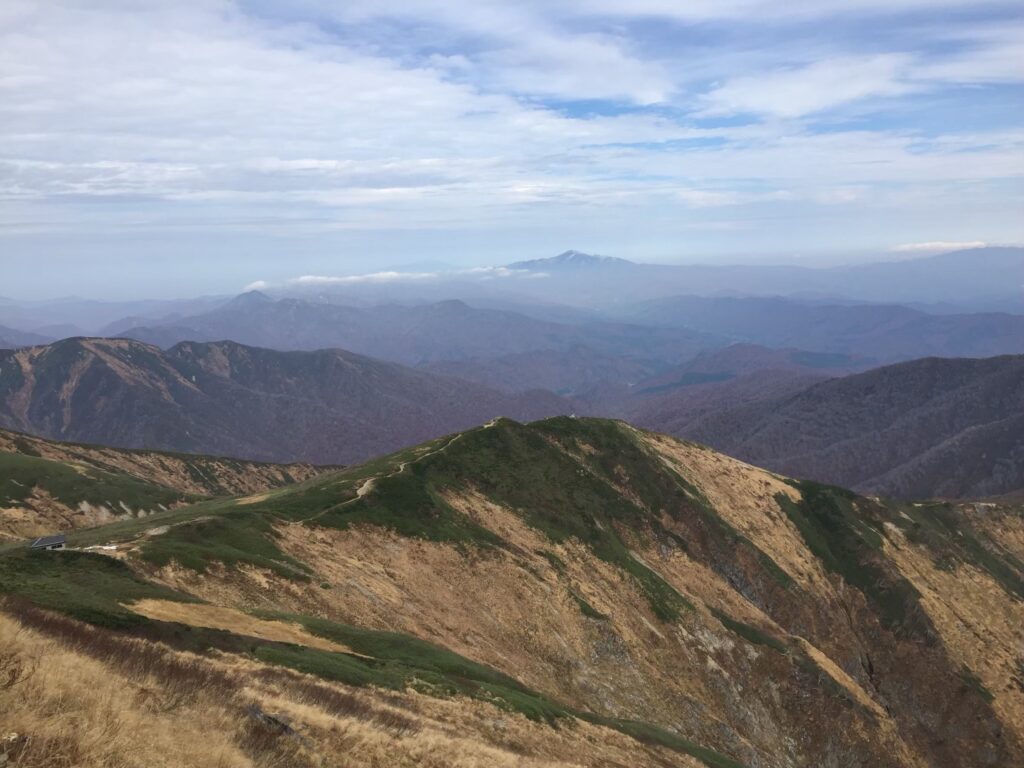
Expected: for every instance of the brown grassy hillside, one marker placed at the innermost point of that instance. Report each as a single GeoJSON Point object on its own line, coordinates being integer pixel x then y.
{"type": "Point", "coordinates": [571, 592]}
{"type": "Point", "coordinates": [325, 407]}
{"type": "Point", "coordinates": [48, 486]}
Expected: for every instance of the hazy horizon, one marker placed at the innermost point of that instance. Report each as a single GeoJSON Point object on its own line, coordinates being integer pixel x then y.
{"type": "Point", "coordinates": [149, 283]}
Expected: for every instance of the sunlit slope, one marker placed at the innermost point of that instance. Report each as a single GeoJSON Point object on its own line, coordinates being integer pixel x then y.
{"type": "Point", "coordinates": [48, 486]}
{"type": "Point", "coordinates": [578, 570]}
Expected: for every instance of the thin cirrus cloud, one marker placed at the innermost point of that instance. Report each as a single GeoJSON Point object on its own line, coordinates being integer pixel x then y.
{"type": "Point", "coordinates": [662, 128]}
{"type": "Point", "coordinates": [799, 91]}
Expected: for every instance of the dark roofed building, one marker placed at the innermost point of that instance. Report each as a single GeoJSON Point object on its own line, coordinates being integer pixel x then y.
{"type": "Point", "coordinates": [49, 542]}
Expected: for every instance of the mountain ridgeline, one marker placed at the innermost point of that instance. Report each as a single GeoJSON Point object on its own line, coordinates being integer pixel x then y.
{"type": "Point", "coordinates": [11, 338]}
{"type": "Point", "coordinates": [882, 332]}
{"type": "Point", "coordinates": [325, 407]}
{"type": "Point", "coordinates": [411, 335]}
{"type": "Point", "coordinates": [574, 590]}
{"type": "Point", "coordinates": [669, 330]}
{"type": "Point", "coordinates": [929, 428]}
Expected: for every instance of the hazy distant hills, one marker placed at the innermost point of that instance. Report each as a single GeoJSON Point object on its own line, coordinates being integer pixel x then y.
{"type": "Point", "coordinates": [576, 371]}
{"type": "Point", "coordinates": [617, 385]}
{"type": "Point", "coordinates": [970, 276]}
{"type": "Point", "coordinates": [11, 338]}
{"type": "Point", "coordinates": [738, 360]}
{"type": "Point", "coordinates": [618, 338]}
{"type": "Point", "coordinates": [224, 398]}
{"type": "Point", "coordinates": [884, 332]}
{"type": "Point", "coordinates": [678, 400]}
{"type": "Point", "coordinates": [575, 294]}
{"type": "Point", "coordinates": [72, 315]}
{"type": "Point", "coordinates": [657, 334]}
{"type": "Point", "coordinates": [982, 278]}
{"type": "Point", "coordinates": [930, 427]}
{"type": "Point", "coordinates": [448, 330]}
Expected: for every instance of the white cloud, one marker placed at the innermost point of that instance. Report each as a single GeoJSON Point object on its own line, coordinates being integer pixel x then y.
{"type": "Point", "coordinates": [841, 195]}
{"type": "Point", "coordinates": [938, 246]}
{"type": "Point", "coordinates": [479, 273]}
{"type": "Point", "coordinates": [995, 62]}
{"type": "Point", "coordinates": [491, 272]}
{"type": "Point", "coordinates": [530, 48]}
{"type": "Point", "coordinates": [702, 198]}
{"type": "Point", "coordinates": [497, 17]}
{"type": "Point", "coordinates": [577, 67]}
{"type": "Point", "coordinates": [435, 116]}
{"type": "Point", "coordinates": [257, 285]}
{"type": "Point", "coordinates": [748, 11]}
{"type": "Point", "coordinates": [798, 91]}
{"type": "Point", "coordinates": [374, 277]}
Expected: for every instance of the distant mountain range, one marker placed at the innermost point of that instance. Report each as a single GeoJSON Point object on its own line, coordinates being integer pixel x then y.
{"type": "Point", "coordinates": [225, 398]}
{"type": "Point", "coordinates": [576, 371]}
{"type": "Point", "coordinates": [925, 428]}
{"type": "Point", "coordinates": [932, 427]}
{"type": "Point", "coordinates": [73, 315]}
{"type": "Point", "coordinates": [516, 350]}
{"type": "Point", "coordinates": [975, 279]}
{"type": "Point", "coordinates": [11, 338]}
{"type": "Point", "coordinates": [738, 360]}
{"type": "Point", "coordinates": [677, 401]}
{"type": "Point", "coordinates": [448, 330]}
{"type": "Point", "coordinates": [961, 282]}
{"type": "Point", "coordinates": [883, 332]}
{"type": "Point", "coordinates": [304, 379]}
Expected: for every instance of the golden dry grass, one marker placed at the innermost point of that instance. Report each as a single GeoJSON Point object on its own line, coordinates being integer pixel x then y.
{"type": "Point", "coordinates": [62, 707]}
{"type": "Point", "coordinates": [256, 499]}
{"type": "Point", "coordinates": [523, 619]}
{"type": "Point", "coordinates": [516, 609]}
{"type": "Point", "coordinates": [70, 710]}
{"type": "Point", "coordinates": [1001, 523]}
{"type": "Point", "coordinates": [744, 496]}
{"type": "Point", "coordinates": [232, 620]}
{"type": "Point", "coordinates": [843, 679]}
{"type": "Point", "coordinates": [42, 514]}
{"type": "Point", "coordinates": [981, 625]}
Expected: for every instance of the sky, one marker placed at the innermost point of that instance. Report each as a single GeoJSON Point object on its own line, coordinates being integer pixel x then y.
{"type": "Point", "coordinates": [170, 149]}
